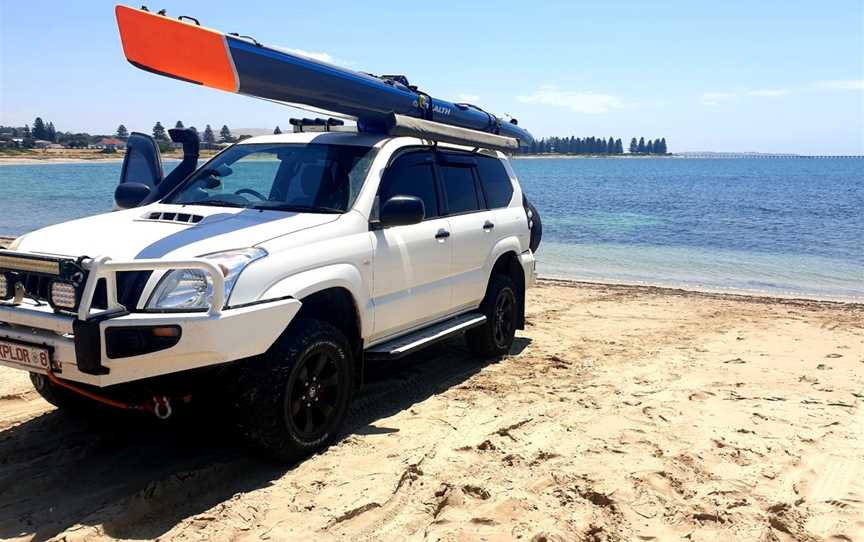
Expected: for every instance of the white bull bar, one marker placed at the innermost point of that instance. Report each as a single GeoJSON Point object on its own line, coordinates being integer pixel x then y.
{"type": "Point", "coordinates": [213, 336]}
{"type": "Point", "coordinates": [99, 268]}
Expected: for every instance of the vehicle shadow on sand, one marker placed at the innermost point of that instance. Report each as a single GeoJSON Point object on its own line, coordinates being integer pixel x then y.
{"type": "Point", "coordinates": [137, 478]}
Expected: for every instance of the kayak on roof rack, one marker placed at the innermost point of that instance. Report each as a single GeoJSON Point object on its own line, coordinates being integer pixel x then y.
{"type": "Point", "coordinates": [183, 49]}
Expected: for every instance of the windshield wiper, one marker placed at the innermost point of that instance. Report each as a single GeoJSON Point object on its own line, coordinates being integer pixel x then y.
{"type": "Point", "coordinates": [297, 208]}
{"type": "Point", "coordinates": [217, 203]}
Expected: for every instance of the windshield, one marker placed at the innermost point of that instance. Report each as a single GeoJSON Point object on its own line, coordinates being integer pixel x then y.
{"type": "Point", "coordinates": [300, 177]}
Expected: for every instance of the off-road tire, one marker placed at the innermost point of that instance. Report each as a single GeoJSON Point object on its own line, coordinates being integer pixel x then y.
{"type": "Point", "coordinates": [266, 390]}
{"type": "Point", "coordinates": [494, 338]}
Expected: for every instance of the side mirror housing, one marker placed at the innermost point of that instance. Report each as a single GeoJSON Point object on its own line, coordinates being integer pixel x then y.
{"type": "Point", "coordinates": [129, 194]}
{"type": "Point", "coordinates": [402, 211]}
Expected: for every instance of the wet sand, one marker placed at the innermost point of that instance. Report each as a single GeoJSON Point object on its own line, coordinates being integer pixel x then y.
{"type": "Point", "coordinates": [623, 413]}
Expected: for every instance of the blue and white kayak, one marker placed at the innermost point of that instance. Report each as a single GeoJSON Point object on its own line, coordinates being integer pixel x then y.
{"type": "Point", "coordinates": [182, 49]}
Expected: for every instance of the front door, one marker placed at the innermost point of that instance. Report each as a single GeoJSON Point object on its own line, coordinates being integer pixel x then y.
{"type": "Point", "coordinates": [411, 268]}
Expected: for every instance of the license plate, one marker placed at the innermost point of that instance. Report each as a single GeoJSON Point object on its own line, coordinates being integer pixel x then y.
{"type": "Point", "coordinates": [26, 356]}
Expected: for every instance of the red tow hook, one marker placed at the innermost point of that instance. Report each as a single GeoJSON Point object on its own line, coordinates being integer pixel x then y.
{"type": "Point", "coordinates": [161, 406]}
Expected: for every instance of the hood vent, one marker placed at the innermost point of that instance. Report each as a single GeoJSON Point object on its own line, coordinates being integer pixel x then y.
{"type": "Point", "coordinates": [183, 218]}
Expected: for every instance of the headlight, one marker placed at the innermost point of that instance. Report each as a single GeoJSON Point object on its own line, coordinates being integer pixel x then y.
{"type": "Point", "coordinates": [185, 289]}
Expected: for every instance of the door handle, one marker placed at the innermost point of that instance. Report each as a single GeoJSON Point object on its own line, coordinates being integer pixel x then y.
{"type": "Point", "coordinates": [442, 234]}
{"type": "Point", "coordinates": [487, 226]}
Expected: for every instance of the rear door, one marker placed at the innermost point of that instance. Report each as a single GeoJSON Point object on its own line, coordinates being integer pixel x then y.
{"type": "Point", "coordinates": [411, 284]}
{"type": "Point", "coordinates": [472, 226]}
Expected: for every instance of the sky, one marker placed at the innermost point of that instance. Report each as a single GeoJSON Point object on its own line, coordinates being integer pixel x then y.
{"type": "Point", "coordinates": [738, 76]}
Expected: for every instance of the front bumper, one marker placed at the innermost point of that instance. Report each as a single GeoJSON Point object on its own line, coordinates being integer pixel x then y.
{"type": "Point", "coordinates": [80, 353]}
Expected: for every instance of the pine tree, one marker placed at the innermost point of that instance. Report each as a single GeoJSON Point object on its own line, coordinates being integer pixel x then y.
{"type": "Point", "coordinates": [663, 146]}
{"type": "Point", "coordinates": [195, 131]}
{"type": "Point", "coordinates": [179, 125]}
{"type": "Point", "coordinates": [657, 146]}
{"type": "Point", "coordinates": [27, 134]}
{"type": "Point", "coordinates": [122, 132]}
{"type": "Point", "coordinates": [50, 132]}
{"type": "Point", "coordinates": [225, 134]}
{"type": "Point", "coordinates": [610, 145]}
{"type": "Point", "coordinates": [159, 132]}
{"type": "Point", "coordinates": [619, 146]}
{"type": "Point", "coordinates": [277, 131]}
{"type": "Point", "coordinates": [649, 148]}
{"type": "Point", "coordinates": [209, 138]}
{"type": "Point", "coordinates": [634, 147]}
{"type": "Point", "coordinates": [641, 147]}
{"type": "Point", "coordinates": [39, 131]}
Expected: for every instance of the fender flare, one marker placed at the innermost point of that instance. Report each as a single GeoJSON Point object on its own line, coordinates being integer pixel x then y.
{"type": "Point", "coordinates": [508, 244]}
{"type": "Point", "coordinates": [343, 275]}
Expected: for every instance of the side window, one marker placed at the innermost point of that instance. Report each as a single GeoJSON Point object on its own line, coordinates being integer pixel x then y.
{"type": "Point", "coordinates": [459, 188]}
{"type": "Point", "coordinates": [496, 182]}
{"type": "Point", "coordinates": [411, 175]}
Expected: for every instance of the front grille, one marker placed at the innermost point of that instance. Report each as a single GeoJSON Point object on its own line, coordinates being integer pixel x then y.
{"type": "Point", "coordinates": [130, 286]}
{"type": "Point", "coordinates": [36, 286]}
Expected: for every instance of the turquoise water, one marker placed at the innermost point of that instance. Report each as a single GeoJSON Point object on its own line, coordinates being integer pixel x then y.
{"type": "Point", "coordinates": [776, 226]}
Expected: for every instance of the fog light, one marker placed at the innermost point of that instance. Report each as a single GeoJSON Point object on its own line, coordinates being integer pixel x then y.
{"type": "Point", "coordinates": [5, 288]}
{"type": "Point", "coordinates": [63, 295]}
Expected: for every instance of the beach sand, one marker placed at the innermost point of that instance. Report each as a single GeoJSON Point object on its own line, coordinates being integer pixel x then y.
{"type": "Point", "coordinates": [623, 413]}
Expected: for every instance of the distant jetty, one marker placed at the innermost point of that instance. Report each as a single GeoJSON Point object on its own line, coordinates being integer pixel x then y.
{"type": "Point", "coordinates": [761, 155]}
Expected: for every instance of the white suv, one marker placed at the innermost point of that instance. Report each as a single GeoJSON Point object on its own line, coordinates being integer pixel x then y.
{"type": "Point", "coordinates": [286, 262]}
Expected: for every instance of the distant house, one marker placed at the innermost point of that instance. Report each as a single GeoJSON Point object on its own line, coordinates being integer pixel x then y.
{"type": "Point", "coordinates": [43, 144]}
{"type": "Point", "coordinates": [109, 143]}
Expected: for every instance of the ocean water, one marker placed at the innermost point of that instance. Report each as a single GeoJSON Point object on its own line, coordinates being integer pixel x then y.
{"type": "Point", "coordinates": [773, 226]}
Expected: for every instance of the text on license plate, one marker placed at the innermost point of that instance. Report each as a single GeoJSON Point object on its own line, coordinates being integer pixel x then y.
{"type": "Point", "coordinates": [25, 355]}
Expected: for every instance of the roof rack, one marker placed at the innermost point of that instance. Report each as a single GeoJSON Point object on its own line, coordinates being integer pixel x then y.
{"type": "Point", "coordinates": [402, 125]}
{"type": "Point", "coordinates": [320, 125]}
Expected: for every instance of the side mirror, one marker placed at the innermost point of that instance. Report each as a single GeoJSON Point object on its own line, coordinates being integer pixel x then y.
{"type": "Point", "coordinates": [402, 211]}
{"type": "Point", "coordinates": [129, 194]}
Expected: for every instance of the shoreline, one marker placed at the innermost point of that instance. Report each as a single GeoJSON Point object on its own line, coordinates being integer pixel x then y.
{"type": "Point", "coordinates": [677, 291]}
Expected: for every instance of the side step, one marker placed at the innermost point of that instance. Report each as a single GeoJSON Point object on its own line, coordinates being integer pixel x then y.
{"type": "Point", "coordinates": [408, 344]}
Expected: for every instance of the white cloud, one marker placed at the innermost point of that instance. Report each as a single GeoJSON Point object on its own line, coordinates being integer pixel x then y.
{"type": "Point", "coordinates": [768, 92]}
{"type": "Point", "coordinates": [467, 98]}
{"type": "Point", "coordinates": [716, 98]}
{"type": "Point", "coordinates": [580, 102]}
{"type": "Point", "coordinates": [841, 84]}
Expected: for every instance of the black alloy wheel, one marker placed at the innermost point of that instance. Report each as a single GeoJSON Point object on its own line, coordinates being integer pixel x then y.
{"type": "Point", "coordinates": [500, 306]}
{"type": "Point", "coordinates": [505, 318]}
{"type": "Point", "coordinates": [314, 393]}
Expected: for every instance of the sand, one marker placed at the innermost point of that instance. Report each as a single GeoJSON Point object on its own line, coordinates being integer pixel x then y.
{"type": "Point", "coordinates": [623, 413]}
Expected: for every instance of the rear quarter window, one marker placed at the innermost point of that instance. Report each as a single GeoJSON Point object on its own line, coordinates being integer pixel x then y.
{"type": "Point", "coordinates": [496, 182]}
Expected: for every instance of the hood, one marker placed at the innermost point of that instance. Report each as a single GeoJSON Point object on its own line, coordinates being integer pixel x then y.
{"type": "Point", "coordinates": [159, 231]}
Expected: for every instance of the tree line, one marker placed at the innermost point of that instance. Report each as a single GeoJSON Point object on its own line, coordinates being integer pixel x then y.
{"type": "Point", "coordinates": [26, 136]}
{"type": "Point", "coordinates": [208, 137]}
{"type": "Point", "coordinates": [594, 146]}
{"type": "Point", "coordinates": [46, 131]}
